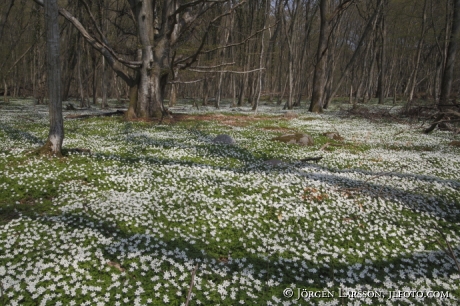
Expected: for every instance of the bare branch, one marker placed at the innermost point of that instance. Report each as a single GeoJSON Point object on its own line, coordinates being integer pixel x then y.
{"type": "Point", "coordinates": [185, 6]}
{"type": "Point", "coordinates": [112, 58]}
{"type": "Point", "coordinates": [188, 82]}
{"type": "Point", "coordinates": [212, 67]}
{"type": "Point", "coordinates": [239, 43]}
{"type": "Point", "coordinates": [191, 59]}
{"type": "Point", "coordinates": [189, 294]}
{"type": "Point", "coordinates": [19, 59]}
{"type": "Point", "coordinates": [88, 10]}
{"type": "Point", "coordinates": [227, 71]}
{"type": "Point", "coordinates": [5, 18]}
{"type": "Point", "coordinates": [342, 7]}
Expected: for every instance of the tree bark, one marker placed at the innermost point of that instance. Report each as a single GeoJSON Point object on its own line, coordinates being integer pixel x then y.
{"type": "Point", "coordinates": [446, 82]}
{"type": "Point", "coordinates": [382, 59]}
{"type": "Point", "coordinates": [56, 133]}
{"type": "Point", "coordinates": [4, 17]}
{"type": "Point", "coordinates": [413, 80]}
{"type": "Point", "coordinates": [319, 77]}
{"type": "Point", "coordinates": [174, 89]}
{"type": "Point", "coordinates": [94, 66]}
{"type": "Point", "coordinates": [80, 82]}
{"type": "Point", "coordinates": [370, 27]}
{"type": "Point", "coordinates": [5, 91]}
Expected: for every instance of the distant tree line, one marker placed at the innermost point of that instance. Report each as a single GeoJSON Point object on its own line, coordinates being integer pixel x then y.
{"type": "Point", "coordinates": [144, 53]}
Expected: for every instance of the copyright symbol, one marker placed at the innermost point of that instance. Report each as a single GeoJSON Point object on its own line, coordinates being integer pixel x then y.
{"type": "Point", "coordinates": [288, 292]}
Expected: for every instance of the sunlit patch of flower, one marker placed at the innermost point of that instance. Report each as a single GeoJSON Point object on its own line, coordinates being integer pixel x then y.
{"type": "Point", "coordinates": [154, 204]}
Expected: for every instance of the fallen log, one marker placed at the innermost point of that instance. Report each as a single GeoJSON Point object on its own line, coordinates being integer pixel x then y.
{"type": "Point", "coordinates": [435, 124]}
{"type": "Point", "coordinates": [118, 112]}
{"type": "Point", "coordinates": [315, 159]}
{"type": "Point", "coordinates": [443, 120]}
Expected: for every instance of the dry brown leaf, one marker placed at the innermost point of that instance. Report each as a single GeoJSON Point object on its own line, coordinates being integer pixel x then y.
{"type": "Point", "coordinates": [280, 216]}
{"type": "Point", "coordinates": [116, 265]}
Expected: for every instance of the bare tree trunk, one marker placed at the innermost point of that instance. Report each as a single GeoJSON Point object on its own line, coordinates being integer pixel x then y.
{"type": "Point", "coordinates": [174, 88]}
{"type": "Point", "coordinates": [94, 66]}
{"type": "Point", "coordinates": [319, 78]}
{"type": "Point", "coordinates": [413, 80]}
{"type": "Point", "coordinates": [370, 27]}
{"type": "Point", "coordinates": [205, 91]}
{"type": "Point", "coordinates": [350, 97]}
{"type": "Point", "coordinates": [4, 17]}
{"type": "Point", "coordinates": [5, 92]}
{"type": "Point", "coordinates": [219, 89]}
{"type": "Point", "coordinates": [330, 69]}
{"type": "Point", "coordinates": [382, 63]}
{"type": "Point", "coordinates": [56, 133]}
{"type": "Point", "coordinates": [233, 91]}
{"type": "Point", "coordinates": [437, 78]}
{"type": "Point", "coordinates": [280, 99]}
{"type": "Point", "coordinates": [446, 82]}
{"type": "Point", "coordinates": [105, 75]}
{"type": "Point", "coordinates": [261, 56]}
{"type": "Point", "coordinates": [104, 84]}
{"type": "Point", "coordinates": [395, 94]}
{"type": "Point", "coordinates": [80, 82]}
{"type": "Point", "coordinates": [242, 90]}
{"type": "Point", "coordinates": [369, 79]}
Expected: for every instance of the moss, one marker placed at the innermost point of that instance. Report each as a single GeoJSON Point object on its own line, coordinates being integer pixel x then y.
{"type": "Point", "coordinates": [46, 150]}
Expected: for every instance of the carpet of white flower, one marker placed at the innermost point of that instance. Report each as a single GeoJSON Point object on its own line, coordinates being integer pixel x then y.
{"type": "Point", "coordinates": [376, 221]}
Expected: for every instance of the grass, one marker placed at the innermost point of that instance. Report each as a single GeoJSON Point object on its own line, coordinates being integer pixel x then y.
{"type": "Point", "coordinates": [128, 223]}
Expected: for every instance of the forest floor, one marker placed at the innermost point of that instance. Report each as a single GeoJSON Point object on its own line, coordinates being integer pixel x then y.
{"type": "Point", "coordinates": [134, 210]}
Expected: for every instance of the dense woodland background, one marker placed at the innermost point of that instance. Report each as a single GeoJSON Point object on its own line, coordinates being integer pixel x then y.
{"type": "Point", "coordinates": [382, 48]}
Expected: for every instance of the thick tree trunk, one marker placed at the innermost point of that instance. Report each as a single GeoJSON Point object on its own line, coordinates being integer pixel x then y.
{"type": "Point", "coordinates": [131, 113]}
{"type": "Point", "coordinates": [154, 58]}
{"type": "Point", "coordinates": [56, 133]}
